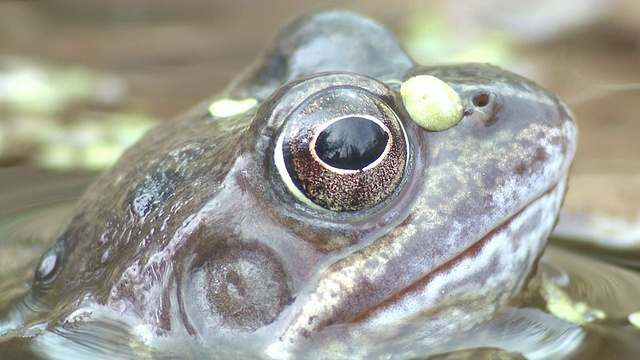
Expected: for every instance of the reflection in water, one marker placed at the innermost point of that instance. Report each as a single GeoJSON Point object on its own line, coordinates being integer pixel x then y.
{"type": "Point", "coordinates": [526, 328]}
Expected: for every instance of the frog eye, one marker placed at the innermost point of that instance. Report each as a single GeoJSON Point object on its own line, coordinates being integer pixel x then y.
{"type": "Point", "coordinates": [343, 148]}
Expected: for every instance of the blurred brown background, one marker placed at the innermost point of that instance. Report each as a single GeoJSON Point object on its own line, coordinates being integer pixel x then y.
{"type": "Point", "coordinates": [171, 54]}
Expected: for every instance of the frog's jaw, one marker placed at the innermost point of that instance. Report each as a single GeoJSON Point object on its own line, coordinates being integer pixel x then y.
{"type": "Point", "coordinates": [492, 270]}
{"type": "Point", "coordinates": [486, 269]}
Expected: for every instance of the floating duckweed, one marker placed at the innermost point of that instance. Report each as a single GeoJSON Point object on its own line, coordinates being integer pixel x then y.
{"type": "Point", "coordinates": [560, 305]}
{"type": "Point", "coordinates": [94, 145]}
{"type": "Point", "coordinates": [230, 107]}
{"type": "Point", "coordinates": [634, 319]}
{"type": "Point", "coordinates": [432, 103]}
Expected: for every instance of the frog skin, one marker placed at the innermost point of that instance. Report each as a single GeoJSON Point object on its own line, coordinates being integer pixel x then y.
{"type": "Point", "coordinates": [200, 233]}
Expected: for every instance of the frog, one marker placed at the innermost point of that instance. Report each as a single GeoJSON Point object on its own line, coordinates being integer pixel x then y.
{"type": "Point", "coordinates": [303, 212]}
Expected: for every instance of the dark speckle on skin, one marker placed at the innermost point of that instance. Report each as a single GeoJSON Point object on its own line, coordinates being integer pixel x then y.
{"type": "Point", "coordinates": [541, 155]}
{"type": "Point", "coordinates": [153, 191]}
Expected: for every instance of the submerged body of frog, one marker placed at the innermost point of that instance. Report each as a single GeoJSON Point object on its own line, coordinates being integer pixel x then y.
{"type": "Point", "coordinates": [245, 234]}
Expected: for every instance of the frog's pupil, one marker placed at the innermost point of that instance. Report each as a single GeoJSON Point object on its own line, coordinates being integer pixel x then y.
{"type": "Point", "coordinates": [351, 143]}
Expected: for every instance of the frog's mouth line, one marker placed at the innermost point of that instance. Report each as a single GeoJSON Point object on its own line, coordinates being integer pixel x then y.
{"type": "Point", "coordinates": [473, 251]}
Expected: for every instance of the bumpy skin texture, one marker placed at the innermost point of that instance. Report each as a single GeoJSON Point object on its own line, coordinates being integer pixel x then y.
{"type": "Point", "coordinates": [193, 236]}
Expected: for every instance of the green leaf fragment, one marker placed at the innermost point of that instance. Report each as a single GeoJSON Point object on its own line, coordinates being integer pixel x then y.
{"type": "Point", "coordinates": [634, 319]}
{"type": "Point", "coordinates": [431, 103]}
{"type": "Point", "coordinates": [230, 107]}
{"type": "Point", "coordinates": [562, 306]}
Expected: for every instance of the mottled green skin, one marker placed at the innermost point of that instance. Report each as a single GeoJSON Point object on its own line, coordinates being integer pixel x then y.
{"type": "Point", "coordinates": [192, 236]}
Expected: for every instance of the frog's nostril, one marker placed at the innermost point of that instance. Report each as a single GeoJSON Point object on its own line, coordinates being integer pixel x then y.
{"type": "Point", "coordinates": [485, 107]}
{"type": "Point", "coordinates": [481, 100]}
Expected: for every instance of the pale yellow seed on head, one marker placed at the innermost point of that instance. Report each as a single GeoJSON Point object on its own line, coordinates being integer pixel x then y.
{"type": "Point", "coordinates": [231, 107]}
{"type": "Point", "coordinates": [431, 103]}
{"type": "Point", "coordinates": [634, 319]}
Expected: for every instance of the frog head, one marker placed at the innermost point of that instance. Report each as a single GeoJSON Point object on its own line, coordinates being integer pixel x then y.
{"type": "Point", "coordinates": [321, 215]}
